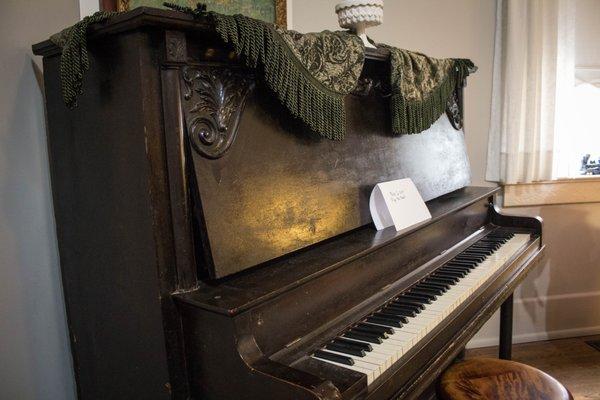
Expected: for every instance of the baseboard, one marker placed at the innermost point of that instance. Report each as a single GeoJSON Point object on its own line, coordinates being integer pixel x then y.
{"type": "Point", "coordinates": [558, 297]}
{"type": "Point", "coordinates": [537, 336]}
{"type": "Point", "coordinates": [580, 310]}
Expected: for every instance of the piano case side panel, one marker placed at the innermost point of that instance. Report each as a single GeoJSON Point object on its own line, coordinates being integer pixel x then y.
{"type": "Point", "coordinates": [275, 187]}
{"type": "Point", "coordinates": [108, 226]}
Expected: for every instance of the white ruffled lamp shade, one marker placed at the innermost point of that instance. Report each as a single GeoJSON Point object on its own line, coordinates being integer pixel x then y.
{"type": "Point", "coordinates": [358, 15]}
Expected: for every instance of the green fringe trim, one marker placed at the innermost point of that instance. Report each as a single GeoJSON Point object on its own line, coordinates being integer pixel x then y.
{"type": "Point", "coordinates": [260, 44]}
{"type": "Point", "coordinates": [416, 116]}
{"type": "Point", "coordinates": [74, 60]}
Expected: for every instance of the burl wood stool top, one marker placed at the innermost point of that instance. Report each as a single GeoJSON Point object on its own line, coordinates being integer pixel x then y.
{"type": "Point", "coordinates": [489, 378]}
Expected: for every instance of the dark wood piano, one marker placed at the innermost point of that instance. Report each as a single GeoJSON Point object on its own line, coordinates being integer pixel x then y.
{"type": "Point", "coordinates": [212, 247]}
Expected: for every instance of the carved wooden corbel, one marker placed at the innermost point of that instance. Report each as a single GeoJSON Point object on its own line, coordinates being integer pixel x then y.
{"type": "Point", "coordinates": [213, 101]}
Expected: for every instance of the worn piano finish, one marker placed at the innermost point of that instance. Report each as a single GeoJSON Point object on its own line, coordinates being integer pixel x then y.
{"type": "Point", "coordinates": [206, 254]}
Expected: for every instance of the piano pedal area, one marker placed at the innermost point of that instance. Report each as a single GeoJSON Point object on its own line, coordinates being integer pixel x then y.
{"type": "Point", "coordinates": [375, 343]}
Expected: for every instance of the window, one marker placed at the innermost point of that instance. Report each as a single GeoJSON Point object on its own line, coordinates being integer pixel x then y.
{"type": "Point", "coordinates": [585, 151]}
{"type": "Point", "coordinates": [579, 139]}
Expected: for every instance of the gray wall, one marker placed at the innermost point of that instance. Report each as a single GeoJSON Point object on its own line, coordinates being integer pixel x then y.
{"type": "Point", "coordinates": [35, 361]}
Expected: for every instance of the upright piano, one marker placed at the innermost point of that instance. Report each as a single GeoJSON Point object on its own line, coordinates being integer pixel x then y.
{"type": "Point", "coordinates": [213, 247]}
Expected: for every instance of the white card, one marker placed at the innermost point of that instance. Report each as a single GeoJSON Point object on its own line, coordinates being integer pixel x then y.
{"type": "Point", "coordinates": [397, 203]}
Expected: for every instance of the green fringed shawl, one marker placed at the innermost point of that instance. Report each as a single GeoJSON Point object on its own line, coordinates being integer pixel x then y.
{"type": "Point", "coordinates": [421, 87]}
{"type": "Point", "coordinates": [310, 73]}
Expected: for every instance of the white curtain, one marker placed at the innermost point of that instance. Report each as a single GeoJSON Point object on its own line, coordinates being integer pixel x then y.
{"type": "Point", "coordinates": [532, 84]}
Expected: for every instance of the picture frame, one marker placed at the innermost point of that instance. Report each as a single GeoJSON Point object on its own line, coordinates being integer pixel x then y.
{"type": "Point", "coordinates": [274, 11]}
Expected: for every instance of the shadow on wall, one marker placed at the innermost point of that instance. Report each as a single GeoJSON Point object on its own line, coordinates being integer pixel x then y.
{"type": "Point", "coordinates": [35, 359]}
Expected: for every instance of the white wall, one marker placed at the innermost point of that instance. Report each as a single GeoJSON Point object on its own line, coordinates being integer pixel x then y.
{"type": "Point", "coordinates": [35, 361]}
{"type": "Point", "coordinates": [88, 7]}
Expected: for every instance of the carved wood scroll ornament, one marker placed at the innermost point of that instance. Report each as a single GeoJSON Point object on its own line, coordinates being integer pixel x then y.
{"type": "Point", "coordinates": [213, 101]}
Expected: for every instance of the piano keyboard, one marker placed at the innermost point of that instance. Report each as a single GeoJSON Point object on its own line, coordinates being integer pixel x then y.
{"type": "Point", "coordinates": [374, 344]}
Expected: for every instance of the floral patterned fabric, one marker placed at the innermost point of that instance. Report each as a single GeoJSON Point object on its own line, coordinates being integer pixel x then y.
{"type": "Point", "coordinates": [335, 59]}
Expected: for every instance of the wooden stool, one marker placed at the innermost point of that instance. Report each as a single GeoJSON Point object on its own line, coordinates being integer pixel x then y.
{"type": "Point", "coordinates": [489, 378]}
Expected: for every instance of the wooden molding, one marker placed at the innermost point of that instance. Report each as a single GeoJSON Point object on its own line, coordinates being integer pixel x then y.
{"type": "Point", "coordinates": [569, 191]}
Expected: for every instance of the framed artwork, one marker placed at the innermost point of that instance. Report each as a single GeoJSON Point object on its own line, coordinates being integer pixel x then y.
{"type": "Point", "coordinates": [266, 10]}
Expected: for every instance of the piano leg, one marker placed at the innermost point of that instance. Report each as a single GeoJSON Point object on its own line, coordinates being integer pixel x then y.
{"type": "Point", "coordinates": [506, 328]}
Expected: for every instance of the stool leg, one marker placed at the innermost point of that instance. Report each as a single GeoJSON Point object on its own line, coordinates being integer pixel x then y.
{"type": "Point", "coordinates": [506, 328]}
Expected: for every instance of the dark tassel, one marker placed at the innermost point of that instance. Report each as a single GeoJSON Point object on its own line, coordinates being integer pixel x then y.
{"type": "Point", "coordinates": [74, 60]}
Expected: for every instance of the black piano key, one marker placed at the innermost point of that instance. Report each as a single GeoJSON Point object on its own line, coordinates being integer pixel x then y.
{"type": "Point", "coordinates": [435, 285]}
{"type": "Point", "coordinates": [439, 279]}
{"type": "Point", "coordinates": [362, 329]}
{"type": "Point", "coordinates": [376, 328]}
{"type": "Point", "coordinates": [483, 246]}
{"type": "Point", "coordinates": [493, 242]}
{"type": "Point", "coordinates": [466, 264]}
{"type": "Point", "coordinates": [407, 312]}
{"type": "Point", "coordinates": [459, 267]}
{"type": "Point", "coordinates": [363, 336]}
{"type": "Point", "coordinates": [475, 257]}
{"type": "Point", "coordinates": [482, 252]}
{"type": "Point", "coordinates": [436, 290]}
{"type": "Point", "coordinates": [346, 350]}
{"type": "Point", "coordinates": [377, 319]}
{"type": "Point", "coordinates": [422, 292]}
{"type": "Point", "coordinates": [462, 271]}
{"type": "Point", "coordinates": [467, 259]}
{"type": "Point", "coordinates": [352, 343]}
{"type": "Point", "coordinates": [391, 314]}
{"type": "Point", "coordinates": [486, 250]}
{"type": "Point", "coordinates": [448, 272]}
{"type": "Point", "coordinates": [417, 288]}
{"type": "Point", "coordinates": [333, 357]}
{"type": "Point", "coordinates": [454, 272]}
{"type": "Point", "coordinates": [442, 275]}
{"type": "Point", "coordinates": [416, 297]}
{"type": "Point", "coordinates": [493, 245]}
{"type": "Point", "coordinates": [409, 307]}
{"type": "Point", "coordinates": [475, 254]}
{"type": "Point", "coordinates": [408, 302]}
